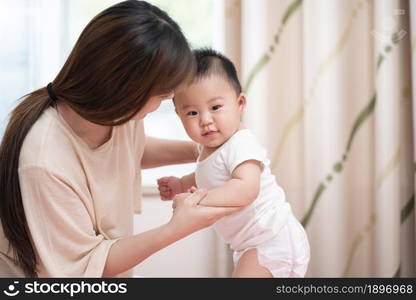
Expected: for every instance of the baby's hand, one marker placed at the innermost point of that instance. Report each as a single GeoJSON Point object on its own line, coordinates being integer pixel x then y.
{"type": "Point", "coordinates": [169, 187]}
{"type": "Point", "coordinates": [192, 189]}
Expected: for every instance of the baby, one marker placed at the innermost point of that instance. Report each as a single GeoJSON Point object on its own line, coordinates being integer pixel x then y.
{"type": "Point", "coordinates": [268, 241]}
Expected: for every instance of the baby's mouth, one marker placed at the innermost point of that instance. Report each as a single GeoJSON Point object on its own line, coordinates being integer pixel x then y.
{"type": "Point", "coordinates": [210, 132]}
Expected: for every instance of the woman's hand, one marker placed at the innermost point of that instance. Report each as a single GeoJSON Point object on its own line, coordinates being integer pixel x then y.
{"type": "Point", "coordinates": [169, 187]}
{"type": "Point", "coordinates": [189, 217]}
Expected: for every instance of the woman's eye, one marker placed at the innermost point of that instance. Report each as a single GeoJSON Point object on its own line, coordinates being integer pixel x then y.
{"type": "Point", "coordinates": [216, 107]}
{"type": "Point", "coordinates": [191, 113]}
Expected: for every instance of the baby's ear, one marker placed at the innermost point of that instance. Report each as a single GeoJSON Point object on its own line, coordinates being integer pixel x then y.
{"type": "Point", "coordinates": [241, 101]}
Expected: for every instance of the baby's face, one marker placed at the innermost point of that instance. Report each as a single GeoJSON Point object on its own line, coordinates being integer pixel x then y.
{"type": "Point", "coordinates": [210, 110]}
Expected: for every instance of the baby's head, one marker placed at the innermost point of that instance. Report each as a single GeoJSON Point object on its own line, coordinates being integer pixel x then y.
{"type": "Point", "coordinates": [212, 104]}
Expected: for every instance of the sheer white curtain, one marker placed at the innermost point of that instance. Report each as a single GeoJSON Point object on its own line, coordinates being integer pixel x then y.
{"type": "Point", "coordinates": [329, 86]}
{"type": "Point", "coordinates": [31, 51]}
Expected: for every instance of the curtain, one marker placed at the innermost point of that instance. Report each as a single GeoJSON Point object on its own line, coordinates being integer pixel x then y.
{"type": "Point", "coordinates": [329, 86]}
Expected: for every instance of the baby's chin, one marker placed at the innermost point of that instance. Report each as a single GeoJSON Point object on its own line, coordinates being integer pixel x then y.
{"type": "Point", "coordinates": [213, 145]}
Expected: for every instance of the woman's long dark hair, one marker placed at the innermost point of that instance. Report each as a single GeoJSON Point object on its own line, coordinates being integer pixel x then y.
{"type": "Point", "coordinates": [126, 54]}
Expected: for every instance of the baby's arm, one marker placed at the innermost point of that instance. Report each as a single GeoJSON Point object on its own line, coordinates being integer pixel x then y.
{"type": "Point", "coordinates": [187, 182]}
{"type": "Point", "coordinates": [240, 190]}
{"type": "Point", "coordinates": [170, 186]}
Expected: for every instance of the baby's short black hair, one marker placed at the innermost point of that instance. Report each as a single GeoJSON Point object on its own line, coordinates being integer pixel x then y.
{"type": "Point", "coordinates": [209, 61]}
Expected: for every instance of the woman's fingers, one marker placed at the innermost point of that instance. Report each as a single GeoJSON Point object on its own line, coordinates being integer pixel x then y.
{"type": "Point", "coordinates": [189, 217]}
{"type": "Point", "coordinates": [191, 199]}
{"type": "Point", "coordinates": [196, 196]}
{"type": "Point", "coordinates": [181, 196]}
{"type": "Point", "coordinates": [192, 190]}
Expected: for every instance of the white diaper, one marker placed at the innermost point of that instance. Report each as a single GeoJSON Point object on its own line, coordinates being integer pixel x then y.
{"type": "Point", "coordinates": [286, 255]}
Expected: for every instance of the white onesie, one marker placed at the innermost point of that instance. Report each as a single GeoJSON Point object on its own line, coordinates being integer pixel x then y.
{"type": "Point", "coordinates": [260, 221]}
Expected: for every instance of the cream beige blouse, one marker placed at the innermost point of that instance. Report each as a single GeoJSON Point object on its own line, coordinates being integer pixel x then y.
{"type": "Point", "coordinates": [77, 201]}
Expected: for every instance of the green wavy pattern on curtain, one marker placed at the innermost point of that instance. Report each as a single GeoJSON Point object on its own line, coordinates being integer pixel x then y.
{"type": "Point", "coordinates": [264, 59]}
{"type": "Point", "coordinates": [385, 172]}
{"type": "Point", "coordinates": [391, 165]}
{"type": "Point", "coordinates": [361, 118]}
{"type": "Point", "coordinates": [388, 168]}
{"type": "Point", "coordinates": [323, 67]}
{"type": "Point", "coordinates": [407, 209]}
{"type": "Point", "coordinates": [398, 272]}
{"type": "Point", "coordinates": [357, 241]}
{"type": "Point", "coordinates": [410, 206]}
{"type": "Point", "coordinates": [404, 215]}
{"type": "Point", "coordinates": [364, 114]}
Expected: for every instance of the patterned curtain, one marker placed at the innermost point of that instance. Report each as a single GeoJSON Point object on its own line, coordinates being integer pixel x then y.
{"type": "Point", "coordinates": [329, 86]}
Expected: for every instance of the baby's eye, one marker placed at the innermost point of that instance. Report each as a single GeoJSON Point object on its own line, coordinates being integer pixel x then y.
{"type": "Point", "coordinates": [216, 107]}
{"type": "Point", "coordinates": [191, 113]}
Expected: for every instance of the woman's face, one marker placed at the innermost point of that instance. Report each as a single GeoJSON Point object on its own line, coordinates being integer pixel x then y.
{"type": "Point", "coordinates": [151, 105]}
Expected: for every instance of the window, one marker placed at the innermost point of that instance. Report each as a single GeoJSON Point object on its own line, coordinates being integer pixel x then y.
{"type": "Point", "coordinates": [196, 18]}
{"type": "Point", "coordinates": [44, 32]}
{"type": "Point", "coordinates": [30, 54]}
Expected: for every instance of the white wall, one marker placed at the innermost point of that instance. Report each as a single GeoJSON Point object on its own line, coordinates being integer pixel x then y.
{"type": "Point", "coordinates": [193, 256]}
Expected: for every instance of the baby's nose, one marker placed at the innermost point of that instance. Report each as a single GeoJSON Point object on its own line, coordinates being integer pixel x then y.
{"type": "Point", "coordinates": [206, 119]}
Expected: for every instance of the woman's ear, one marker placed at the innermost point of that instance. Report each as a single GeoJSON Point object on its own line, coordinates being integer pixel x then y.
{"type": "Point", "coordinates": [174, 104]}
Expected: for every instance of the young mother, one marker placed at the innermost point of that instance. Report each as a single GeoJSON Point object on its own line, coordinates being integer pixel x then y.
{"type": "Point", "coordinates": [71, 155]}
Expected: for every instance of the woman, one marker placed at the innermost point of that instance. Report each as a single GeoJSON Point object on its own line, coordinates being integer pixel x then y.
{"type": "Point", "coordinates": [71, 155]}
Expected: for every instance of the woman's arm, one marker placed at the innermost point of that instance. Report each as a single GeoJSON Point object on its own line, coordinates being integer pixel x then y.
{"type": "Point", "coordinates": [161, 152]}
{"type": "Point", "coordinates": [128, 252]}
{"type": "Point", "coordinates": [187, 218]}
{"type": "Point", "coordinates": [240, 190]}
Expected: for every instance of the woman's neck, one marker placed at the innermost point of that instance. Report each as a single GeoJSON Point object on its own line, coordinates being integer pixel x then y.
{"type": "Point", "coordinates": [92, 134]}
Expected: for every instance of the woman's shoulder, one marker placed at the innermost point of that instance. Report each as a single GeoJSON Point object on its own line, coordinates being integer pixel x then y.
{"type": "Point", "coordinates": [45, 143]}
{"type": "Point", "coordinates": [134, 131]}
{"type": "Point", "coordinates": [51, 145]}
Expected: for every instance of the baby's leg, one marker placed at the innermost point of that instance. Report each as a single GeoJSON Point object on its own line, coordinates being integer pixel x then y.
{"type": "Point", "coordinates": [248, 266]}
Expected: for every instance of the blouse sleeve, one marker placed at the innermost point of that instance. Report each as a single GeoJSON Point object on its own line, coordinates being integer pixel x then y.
{"type": "Point", "coordinates": [139, 139]}
{"type": "Point", "coordinates": [61, 227]}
